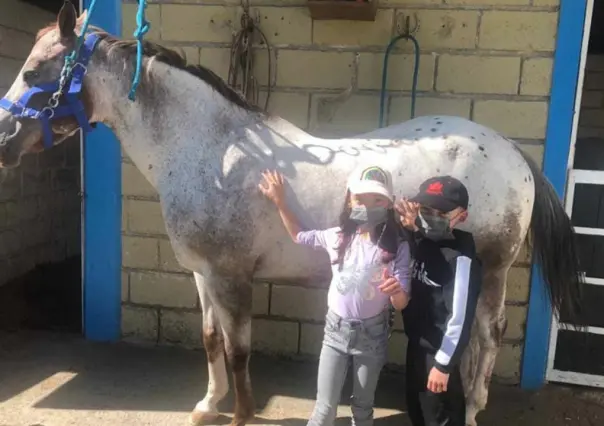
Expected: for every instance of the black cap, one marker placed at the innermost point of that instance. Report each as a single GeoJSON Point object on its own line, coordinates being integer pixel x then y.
{"type": "Point", "coordinates": [444, 193]}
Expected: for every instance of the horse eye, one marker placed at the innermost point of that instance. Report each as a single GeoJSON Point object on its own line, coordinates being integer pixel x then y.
{"type": "Point", "coordinates": [30, 75]}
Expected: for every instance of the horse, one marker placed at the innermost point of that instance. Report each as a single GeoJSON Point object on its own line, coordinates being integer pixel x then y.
{"type": "Point", "coordinates": [203, 147]}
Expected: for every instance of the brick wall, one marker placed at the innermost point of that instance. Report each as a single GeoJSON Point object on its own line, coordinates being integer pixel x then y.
{"type": "Point", "coordinates": [591, 119]}
{"type": "Point", "coordinates": [488, 60]}
{"type": "Point", "coordinates": [39, 202]}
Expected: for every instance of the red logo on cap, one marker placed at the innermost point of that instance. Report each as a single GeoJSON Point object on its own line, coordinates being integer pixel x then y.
{"type": "Point", "coordinates": [435, 188]}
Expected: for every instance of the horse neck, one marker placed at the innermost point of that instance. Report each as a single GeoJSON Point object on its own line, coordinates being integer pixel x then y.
{"type": "Point", "coordinates": [174, 111]}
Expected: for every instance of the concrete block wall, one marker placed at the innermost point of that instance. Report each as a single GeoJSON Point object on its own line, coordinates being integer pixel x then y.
{"type": "Point", "coordinates": [39, 201]}
{"type": "Point", "coordinates": [487, 60]}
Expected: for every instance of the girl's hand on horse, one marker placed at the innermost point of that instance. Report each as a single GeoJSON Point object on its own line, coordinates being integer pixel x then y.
{"type": "Point", "coordinates": [408, 213]}
{"type": "Point", "coordinates": [437, 381]}
{"type": "Point", "coordinates": [272, 186]}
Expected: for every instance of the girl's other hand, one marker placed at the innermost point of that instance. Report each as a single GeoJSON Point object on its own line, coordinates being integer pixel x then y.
{"type": "Point", "coordinates": [272, 186]}
{"type": "Point", "coordinates": [390, 285]}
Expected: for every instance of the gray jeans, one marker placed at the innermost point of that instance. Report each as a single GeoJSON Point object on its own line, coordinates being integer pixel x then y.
{"type": "Point", "coordinates": [364, 342]}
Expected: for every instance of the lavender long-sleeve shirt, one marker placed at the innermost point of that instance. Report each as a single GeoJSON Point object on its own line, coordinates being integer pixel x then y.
{"type": "Point", "coordinates": [353, 292]}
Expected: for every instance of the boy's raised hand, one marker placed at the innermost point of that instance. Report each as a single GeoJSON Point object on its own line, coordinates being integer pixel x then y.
{"type": "Point", "coordinates": [408, 213]}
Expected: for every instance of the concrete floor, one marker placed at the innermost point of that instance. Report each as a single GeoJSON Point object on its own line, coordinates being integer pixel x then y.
{"type": "Point", "coordinates": [60, 380]}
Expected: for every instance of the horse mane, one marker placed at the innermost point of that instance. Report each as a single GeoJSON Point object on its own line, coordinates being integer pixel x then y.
{"type": "Point", "coordinates": [175, 59]}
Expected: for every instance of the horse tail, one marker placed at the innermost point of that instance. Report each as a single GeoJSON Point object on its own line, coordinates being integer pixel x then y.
{"type": "Point", "coordinates": [555, 247]}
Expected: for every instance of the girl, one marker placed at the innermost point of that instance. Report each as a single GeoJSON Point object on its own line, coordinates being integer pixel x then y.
{"type": "Point", "coordinates": [370, 271]}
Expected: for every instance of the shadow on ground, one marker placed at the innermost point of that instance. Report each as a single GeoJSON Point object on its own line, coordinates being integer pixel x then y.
{"type": "Point", "coordinates": [55, 379]}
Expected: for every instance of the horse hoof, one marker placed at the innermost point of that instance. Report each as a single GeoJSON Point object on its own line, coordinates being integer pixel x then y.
{"type": "Point", "coordinates": [199, 418]}
{"type": "Point", "coordinates": [241, 421]}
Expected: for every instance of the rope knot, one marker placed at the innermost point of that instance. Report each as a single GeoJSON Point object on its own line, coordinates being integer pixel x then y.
{"type": "Point", "coordinates": [142, 30]}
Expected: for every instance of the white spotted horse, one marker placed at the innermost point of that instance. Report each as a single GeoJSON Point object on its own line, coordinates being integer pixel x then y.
{"type": "Point", "coordinates": [203, 147]}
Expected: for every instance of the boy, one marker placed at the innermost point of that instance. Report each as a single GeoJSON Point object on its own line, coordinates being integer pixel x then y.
{"type": "Point", "coordinates": [445, 285]}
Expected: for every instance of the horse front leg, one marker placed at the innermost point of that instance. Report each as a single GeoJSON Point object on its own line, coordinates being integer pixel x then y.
{"type": "Point", "coordinates": [236, 320]}
{"type": "Point", "coordinates": [206, 410]}
{"type": "Point", "coordinates": [231, 301]}
{"type": "Point", "coordinates": [491, 326]}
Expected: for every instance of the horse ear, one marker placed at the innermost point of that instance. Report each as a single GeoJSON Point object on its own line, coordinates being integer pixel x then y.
{"type": "Point", "coordinates": [66, 20]}
{"type": "Point", "coordinates": [81, 18]}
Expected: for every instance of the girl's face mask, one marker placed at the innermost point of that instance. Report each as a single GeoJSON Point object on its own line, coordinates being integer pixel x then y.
{"type": "Point", "coordinates": [370, 216]}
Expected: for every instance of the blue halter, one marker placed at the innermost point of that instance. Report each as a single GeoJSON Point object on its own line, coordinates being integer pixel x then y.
{"type": "Point", "coordinates": [73, 106]}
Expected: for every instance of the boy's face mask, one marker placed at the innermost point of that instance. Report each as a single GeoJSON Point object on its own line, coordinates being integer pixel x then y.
{"type": "Point", "coordinates": [433, 225]}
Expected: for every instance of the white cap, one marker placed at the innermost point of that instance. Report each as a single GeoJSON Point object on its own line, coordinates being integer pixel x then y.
{"type": "Point", "coordinates": [371, 179]}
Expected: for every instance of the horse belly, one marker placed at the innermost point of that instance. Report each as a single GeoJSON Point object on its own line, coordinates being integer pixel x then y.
{"type": "Point", "coordinates": [290, 262]}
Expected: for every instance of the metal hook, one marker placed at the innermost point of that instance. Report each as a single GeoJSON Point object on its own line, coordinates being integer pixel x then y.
{"type": "Point", "coordinates": [406, 26]}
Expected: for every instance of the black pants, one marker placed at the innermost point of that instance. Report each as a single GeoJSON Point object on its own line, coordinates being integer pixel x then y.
{"type": "Point", "coordinates": [425, 407]}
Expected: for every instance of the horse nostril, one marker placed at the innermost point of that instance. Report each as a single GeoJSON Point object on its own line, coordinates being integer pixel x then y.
{"type": "Point", "coordinates": [5, 136]}
{"type": "Point", "coordinates": [16, 128]}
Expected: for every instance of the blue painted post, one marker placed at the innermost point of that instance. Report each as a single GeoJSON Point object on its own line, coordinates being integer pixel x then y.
{"type": "Point", "coordinates": [102, 212]}
{"type": "Point", "coordinates": [557, 146]}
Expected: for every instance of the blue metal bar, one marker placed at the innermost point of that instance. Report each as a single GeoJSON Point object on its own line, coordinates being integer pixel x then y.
{"type": "Point", "coordinates": [102, 248]}
{"type": "Point", "coordinates": [557, 146]}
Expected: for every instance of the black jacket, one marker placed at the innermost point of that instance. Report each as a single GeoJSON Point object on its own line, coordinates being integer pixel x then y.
{"type": "Point", "coordinates": [445, 285]}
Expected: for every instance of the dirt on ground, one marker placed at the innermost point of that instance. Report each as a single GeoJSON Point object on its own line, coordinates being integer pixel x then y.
{"type": "Point", "coordinates": [58, 379]}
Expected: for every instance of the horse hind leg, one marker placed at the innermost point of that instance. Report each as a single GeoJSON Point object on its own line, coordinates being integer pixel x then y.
{"type": "Point", "coordinates": [469, 361]}
{"type": "Point", "coordinates": [206, 410]}
{"type": "Point", "coordinates": [491, 326]}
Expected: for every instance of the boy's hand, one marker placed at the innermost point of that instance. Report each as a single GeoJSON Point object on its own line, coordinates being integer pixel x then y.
{"type": "Point", "coordinates": [272, 187]}
{"type": "Point", "coordinates": [437, 381]}
{"type": "Point", "coordinates": [408, 213]}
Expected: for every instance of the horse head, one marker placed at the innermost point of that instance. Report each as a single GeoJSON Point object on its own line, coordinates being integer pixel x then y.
{"type": "Point", "coordinates": [41, 109]}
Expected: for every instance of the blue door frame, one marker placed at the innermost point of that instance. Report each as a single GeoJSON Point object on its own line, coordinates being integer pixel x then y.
{"type": "Point", "coordinates": [102, 189]}
{"type": "Point", "coordinates": [557, 147]}
{"type": "Point", "coordinates": [102, 240]}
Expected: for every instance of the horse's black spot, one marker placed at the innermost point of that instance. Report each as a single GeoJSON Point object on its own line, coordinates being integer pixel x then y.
{"type": "Point", "coordinates": [446, 137]}
{"type": "Point", "coordinates": [433, 129]}
{"type": "Point", "coordinates": [439, 122]}
{"type": "Point", "coordinates": [488, 195]}
{"type": "Point", "coordinates": [525, 179]}
{"type": "Point", "coordinates": [482, 133]}
{"type": "Point", "coordinates": [452, 151]}
{"type": "Point", "coordinates": [400, 173]}
{"type": "Point", "coordinates": [437, 170]}
{"type": "Point", "coordinates": [150, 167]}
{"type": "Point", "coordinates": [480, 147]}
{"type": "Point", "coordinates": [416, 139]}
{"type": "Point", "coordinates": [486, 156]}
{"type": "Point", "coordinates": [418, 129]}
{"type": "Point", "coordinates": [170, 173]}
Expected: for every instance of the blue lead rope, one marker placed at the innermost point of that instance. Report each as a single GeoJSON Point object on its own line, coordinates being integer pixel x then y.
{"type": "Point", "coordinates": [385, 75]}
{"type": "Point", "coordinates": [142, 29]}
